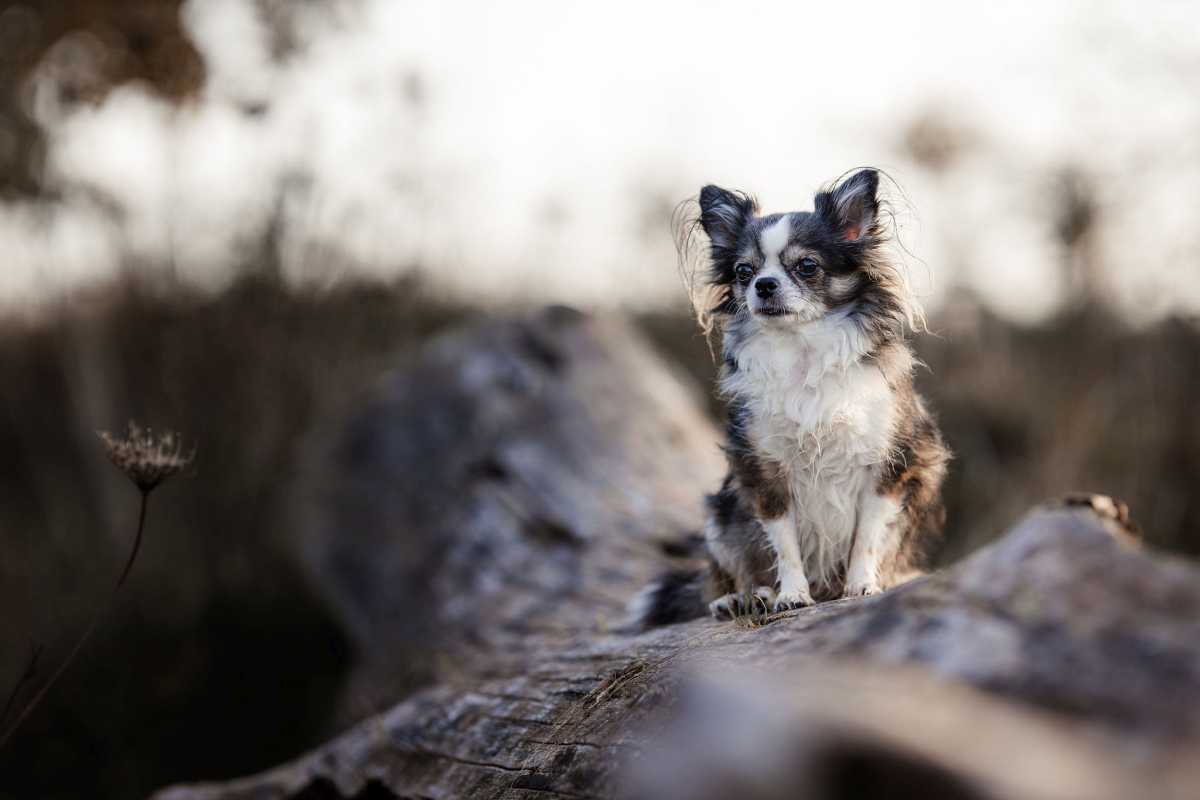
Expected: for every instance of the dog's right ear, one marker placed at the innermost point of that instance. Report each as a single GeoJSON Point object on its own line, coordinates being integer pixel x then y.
{"type": "Point", "coordinates": [723, 214]}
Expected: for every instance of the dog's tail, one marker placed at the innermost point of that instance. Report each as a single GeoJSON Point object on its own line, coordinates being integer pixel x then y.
{"type": "Point", "coordinates": [674, 596]}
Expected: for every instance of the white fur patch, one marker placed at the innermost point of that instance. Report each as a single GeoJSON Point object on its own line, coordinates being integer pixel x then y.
{"type": "Point", "coordinates": [772, 240]}
{"type": "Point", "coordinates": [841, 284]}
{"type": "Point", "coordinates": [823, 414]}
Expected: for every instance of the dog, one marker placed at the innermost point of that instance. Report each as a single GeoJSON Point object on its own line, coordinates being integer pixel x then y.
{"type": "Point", "coordinates": [835, 465]}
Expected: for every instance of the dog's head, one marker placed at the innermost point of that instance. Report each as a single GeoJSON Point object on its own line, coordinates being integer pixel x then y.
{"type": "Point", "coordinates": [783, 269]}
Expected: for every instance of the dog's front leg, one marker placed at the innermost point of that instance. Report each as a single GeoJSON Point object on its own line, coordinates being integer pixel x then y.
{"type": "Point", "coordinates": [773, 507]}
{"type": "Point", "coordinates": [876, 542]}
{"type": "Point", "coordinates": [793, 584]}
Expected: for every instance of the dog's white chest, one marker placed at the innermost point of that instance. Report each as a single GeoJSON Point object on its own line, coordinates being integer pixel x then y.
{"type": "Point", "coordinates": [839, 423]}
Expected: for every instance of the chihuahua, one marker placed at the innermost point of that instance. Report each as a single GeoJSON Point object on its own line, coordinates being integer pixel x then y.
{"type": "Point", "coordinates": [835, 464]}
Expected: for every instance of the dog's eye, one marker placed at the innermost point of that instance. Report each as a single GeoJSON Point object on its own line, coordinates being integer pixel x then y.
{"type": "Point", "coordinates": [744, 272]}
{"type": "Point", "coordinates": [807, 266]}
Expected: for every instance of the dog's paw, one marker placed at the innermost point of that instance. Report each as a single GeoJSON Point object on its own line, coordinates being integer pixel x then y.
{"type": "Point", "coordinates": [863, 589]}
{"type": "Point", "coordinates": [786, 601]}
{"type": "Point", "coordinates": [761, 600]}
{"type": "Point", "coordinates": [724, 607]}
{"type": "Point", "coordinates": [738, 604]}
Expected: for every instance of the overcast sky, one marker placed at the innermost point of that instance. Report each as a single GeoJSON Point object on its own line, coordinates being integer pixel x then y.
{"type": "Point", "coordinates": [532, 149]}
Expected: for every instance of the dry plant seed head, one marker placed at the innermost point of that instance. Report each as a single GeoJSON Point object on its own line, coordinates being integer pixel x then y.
{"type": "Point", "coordinates": [147, 459]}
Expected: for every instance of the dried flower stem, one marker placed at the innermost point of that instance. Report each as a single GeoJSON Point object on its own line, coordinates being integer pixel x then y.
{"type": "Point", "coordinates": [137, 540]}
{"type": "Point", "coordinates": [37, 698]}
{"type": "Point", "coordinates": [26, 676]}
{"type": "Point", "coordinates": [78, 648]}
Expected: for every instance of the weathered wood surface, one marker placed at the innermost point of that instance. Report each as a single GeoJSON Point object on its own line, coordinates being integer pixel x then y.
{"type": "Point", "coordinates": [525, 474]}
{"type": "Point", "coordinates": [508, 488]}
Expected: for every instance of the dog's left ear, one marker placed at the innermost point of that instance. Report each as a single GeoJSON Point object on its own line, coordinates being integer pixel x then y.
{"type": "Point", "coordinates": [852, 206]}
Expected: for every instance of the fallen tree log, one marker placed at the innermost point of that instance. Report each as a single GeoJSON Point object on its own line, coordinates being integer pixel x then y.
{"type": "Point", "coordinates": [513, 483]}
{"type": "Point", "coordinates": [528, 476]}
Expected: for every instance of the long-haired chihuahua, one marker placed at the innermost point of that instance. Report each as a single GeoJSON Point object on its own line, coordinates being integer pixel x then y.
{"type": "Point", "coordinates": [835, 465]}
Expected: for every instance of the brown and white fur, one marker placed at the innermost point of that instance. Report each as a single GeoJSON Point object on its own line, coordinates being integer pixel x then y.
{"type": "Point", "coordinates": [835, 465]}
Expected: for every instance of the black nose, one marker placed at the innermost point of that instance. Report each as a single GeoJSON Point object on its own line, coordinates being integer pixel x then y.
{"type": "Point", "coordinates": [766, 287]}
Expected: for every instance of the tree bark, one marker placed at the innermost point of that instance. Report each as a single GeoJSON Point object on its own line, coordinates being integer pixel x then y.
{"type": "Point", "coordinates": [482, 522]}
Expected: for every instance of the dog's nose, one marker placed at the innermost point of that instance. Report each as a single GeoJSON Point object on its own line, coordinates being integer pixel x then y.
{"type": "Point", "coordinates": [765, 287]}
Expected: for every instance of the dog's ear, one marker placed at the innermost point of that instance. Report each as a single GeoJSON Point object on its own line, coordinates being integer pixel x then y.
{"type": "Point", "coordinates": [851, 207]}
{"type": "Point", "coordinates": [723, 214]}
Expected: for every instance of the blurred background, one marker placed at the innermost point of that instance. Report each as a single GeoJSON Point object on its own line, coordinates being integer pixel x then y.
{"type": "Point", "coordinates": [227, 217]}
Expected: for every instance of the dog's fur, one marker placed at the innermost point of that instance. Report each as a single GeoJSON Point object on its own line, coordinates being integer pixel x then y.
{"type": "Point", "coordinates": [835, 465]}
